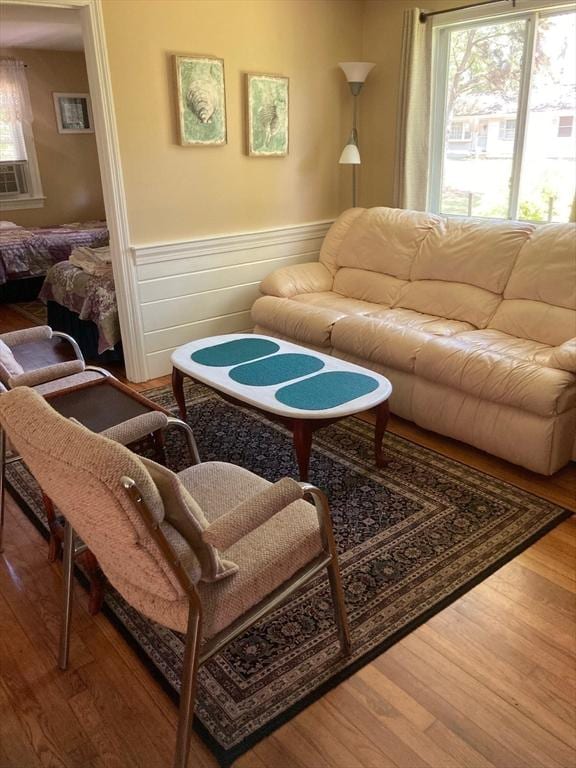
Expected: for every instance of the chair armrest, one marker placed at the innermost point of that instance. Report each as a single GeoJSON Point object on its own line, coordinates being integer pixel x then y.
{"type": "Point", "coordinates": [299, 278]}
{"type": "Point", "coordinates": [252, 513]}
{"type": "Point", "coordinates": [136, 428]}
{"type": "Point", "coordinates": [48, 373]}
{"type": "Point", "coordinates": [38, 333]}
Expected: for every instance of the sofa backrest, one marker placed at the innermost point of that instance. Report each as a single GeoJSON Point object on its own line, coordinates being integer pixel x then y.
{"type": "Point", "coordinates": [370, 251]}
{"type": "Point", "coordinates": [462, 268]}
{"type": "Point", "coordinates": [540, 296]}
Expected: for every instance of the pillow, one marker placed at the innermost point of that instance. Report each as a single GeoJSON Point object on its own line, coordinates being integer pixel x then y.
{"type": "Point", "coordinates": [9, 366]}
{"type": "Point", "coordinates": [9, 225]}
{"type": "Point", "coordinates": [184, 514]}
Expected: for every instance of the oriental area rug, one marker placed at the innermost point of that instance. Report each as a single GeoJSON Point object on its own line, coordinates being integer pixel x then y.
{"type": "Point", "coordinates": [412, 537]}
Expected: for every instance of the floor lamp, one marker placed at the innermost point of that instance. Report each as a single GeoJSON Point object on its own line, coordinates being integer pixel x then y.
{"type": "Point", "coordinates": [356, 73]}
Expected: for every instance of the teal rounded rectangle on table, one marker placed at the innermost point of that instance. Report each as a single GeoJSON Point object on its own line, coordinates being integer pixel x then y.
{"type": "Point", "coordinates": [234, 352]}
{"type": "Point", "coordinates": [276, 369]}
{"type": "Point", "coordinates": [326, 390]}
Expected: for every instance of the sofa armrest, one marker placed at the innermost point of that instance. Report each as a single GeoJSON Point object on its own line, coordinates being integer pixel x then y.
{"type": "Point", "coordinates": [563, 357]}
{"type": "Point", "coordinates": [299, 278]}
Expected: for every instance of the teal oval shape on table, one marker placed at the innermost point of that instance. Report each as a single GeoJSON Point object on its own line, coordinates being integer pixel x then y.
{"type": "Point", "coordinates": [276, 369]}
{"type": "Point", "coordinates": [327, 390]}
{"type": "Point", "coordinates": [234, 352]}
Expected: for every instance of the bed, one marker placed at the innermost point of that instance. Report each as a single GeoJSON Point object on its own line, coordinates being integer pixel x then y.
{"type": "Point", "coordinates": [84, 306]}
{"type": "Point", "coordinates": [26, 253]}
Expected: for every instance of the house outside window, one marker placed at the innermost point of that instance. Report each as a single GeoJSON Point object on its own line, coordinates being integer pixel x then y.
{"type": "Point", "coordinates": [511, 78]}
{"type": "Point", "coordinates": [20, 185]}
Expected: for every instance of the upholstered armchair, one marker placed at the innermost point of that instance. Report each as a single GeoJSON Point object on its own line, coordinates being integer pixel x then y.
{"type": "Point", "coordinates": [206, 552]}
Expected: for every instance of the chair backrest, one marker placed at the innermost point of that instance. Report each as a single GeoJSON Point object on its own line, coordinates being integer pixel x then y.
{"type": "Point", "coordinates": [81, 472]}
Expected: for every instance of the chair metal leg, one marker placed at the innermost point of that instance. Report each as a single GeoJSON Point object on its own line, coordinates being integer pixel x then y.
{"type": "Point", "coordinates": [67, 566]}
{"type": "Point", "coordinates": [2, 489]}
{"type": "Point", "coordinates": [188, 689]}
{"type": "Point", "coordinates": [327, 534]}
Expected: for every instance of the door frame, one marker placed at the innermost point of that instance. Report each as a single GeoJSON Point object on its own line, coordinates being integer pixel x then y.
{"type": "Point", "coordinates": [109, 158]}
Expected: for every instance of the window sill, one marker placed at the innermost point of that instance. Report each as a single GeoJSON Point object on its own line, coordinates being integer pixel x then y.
{"type": "Point", "coordinates": [20, 203]}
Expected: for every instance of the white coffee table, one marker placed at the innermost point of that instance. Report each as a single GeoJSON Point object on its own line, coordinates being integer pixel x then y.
{"type": "Point", "coordinates": [303, 389]}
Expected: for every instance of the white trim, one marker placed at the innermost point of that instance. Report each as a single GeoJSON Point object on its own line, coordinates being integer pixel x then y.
{"type": "Point", "coordinates": [206, 246]}
{"type": "Point", "coordinates": [109, 157]}
{"type": "Point", "coordinates": [21, 202]}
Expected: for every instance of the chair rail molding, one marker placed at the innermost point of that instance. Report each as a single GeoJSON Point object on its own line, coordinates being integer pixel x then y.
{"type": "Point", "coordinates": [207, 286]}
{"type": "Point", "coordinates": [100, 86]}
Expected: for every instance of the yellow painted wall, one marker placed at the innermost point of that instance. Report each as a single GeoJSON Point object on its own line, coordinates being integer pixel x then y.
{"type": "Point", "coordinates": [177, 193]}
{"type": "Point", "coordinates": [382, 41]}
{"type": "Point", "coordinates": [68, 162]}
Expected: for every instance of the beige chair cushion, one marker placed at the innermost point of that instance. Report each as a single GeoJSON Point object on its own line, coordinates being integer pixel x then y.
{"type": "Point", "coordinates": [267, 557]}
{"type": "Point", "coordinates": [382, 240]}
{"type": "Point", "coordinates": [186, 516]}
{"type": "Point", "coordinates": [392, 337]}
{"type": "Point", "coordinates": [465, 364]}
{"type": "Point", "coordinates": [471, 251]}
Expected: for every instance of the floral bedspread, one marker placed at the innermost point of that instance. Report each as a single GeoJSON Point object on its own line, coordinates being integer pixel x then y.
{"type": "Point", "coordinates": [92, 298]}
{"type": "Point", "coordinates": [31, 251]}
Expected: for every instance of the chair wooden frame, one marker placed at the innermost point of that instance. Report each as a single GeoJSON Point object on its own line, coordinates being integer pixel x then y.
{"type": "Point", "coordinates": [195, 652]}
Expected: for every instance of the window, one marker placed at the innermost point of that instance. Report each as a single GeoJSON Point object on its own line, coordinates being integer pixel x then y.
{"type": "Point", "coordinates": [20, 185]}
{"type": "Point", "coordinates": [459, 131]}
{"type": "Point", "coordinates": [565, 126]}
{"type": "Point", "coordinates": [511, 78]}
{"type": "Point", "coordinates": [507, 130]}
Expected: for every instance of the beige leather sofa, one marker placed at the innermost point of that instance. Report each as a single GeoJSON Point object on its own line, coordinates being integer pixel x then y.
{"type": "Point", "coordinates": [474, 323]}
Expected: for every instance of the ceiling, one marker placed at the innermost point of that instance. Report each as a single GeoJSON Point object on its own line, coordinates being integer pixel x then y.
{"type": "Point", "coordinates": [25, 26]}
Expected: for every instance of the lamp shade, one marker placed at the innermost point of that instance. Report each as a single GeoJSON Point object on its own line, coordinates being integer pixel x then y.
{"type": "Point", "coordinates": [350, 155]}
{"type": "Point", "coordinates": [356, 71]}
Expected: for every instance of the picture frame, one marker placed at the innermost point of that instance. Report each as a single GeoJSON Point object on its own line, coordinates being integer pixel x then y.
{"type": "Point", "coordinates": [73, 112]}
{"type": "Point", "coordinates": [201, 100]}
{"type": "Point", "coordinates": [267, 115]}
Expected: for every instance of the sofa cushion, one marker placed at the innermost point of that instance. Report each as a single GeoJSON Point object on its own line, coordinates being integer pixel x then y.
{"type": "Point", "coordinates": [391, 338]}
{"type": "Point", "coordinates": [471, 251]}
{"type": "Point", "coordinates": [464, 363]}
{"type": "Point", "coordinates": [455, 301]}
{"type": "Point", "coordinates": [339, 303]}
{"type": "Point", "coordinates": [304, 323]}
{"type": "Point", "coordinates": [540, 297]}
{"type": "Point", "coordinates": [546, 267]}
{"type": "Point", "coordinates": [535, 320]}
{"type": "Point", "coordinates": [368, 286]}
{"type": "Point", "coordinates": [382, 240]}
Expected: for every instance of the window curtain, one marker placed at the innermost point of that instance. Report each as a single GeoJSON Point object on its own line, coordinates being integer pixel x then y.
{"type": "Point", "coordinates": [413, 126]}
{"type": "Point", "coordinates": [15, 111]}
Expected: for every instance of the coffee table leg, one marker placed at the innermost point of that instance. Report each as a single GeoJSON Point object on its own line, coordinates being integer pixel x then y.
{"type": "Point", "coordinates": [382, 416]}
{"type": "Point", "coordinates": [302, 437]}
{"type": "Point", "coordinates": [178, 390]}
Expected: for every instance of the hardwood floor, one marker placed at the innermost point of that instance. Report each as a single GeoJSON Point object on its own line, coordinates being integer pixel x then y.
{"type": "Point", "coordinates": [490, 682]}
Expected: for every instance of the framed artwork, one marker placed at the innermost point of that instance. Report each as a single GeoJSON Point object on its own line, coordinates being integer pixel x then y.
{"type": "Point", "coordinates": [201, 100]}
{"type": "Point", "coordinates": [267, 111]}
{"type": "Point", "coordinates": [73, 112]}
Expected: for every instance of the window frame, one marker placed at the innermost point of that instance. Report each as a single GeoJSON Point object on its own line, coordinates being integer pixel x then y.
{"type": "Point", "coordinates": [34, 197]}
{"type": "Point", "coordinates": [469, 18]}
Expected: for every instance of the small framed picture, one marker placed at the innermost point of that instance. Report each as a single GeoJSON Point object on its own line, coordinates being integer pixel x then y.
{"type": "Point", "coordinates": [267, 115]}
{"type": "Point", "coordinates": [201, 100]}
{"type": "Point", "coordinates": [73, 112]}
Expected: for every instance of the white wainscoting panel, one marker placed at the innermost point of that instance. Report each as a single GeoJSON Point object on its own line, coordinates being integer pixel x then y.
{"type": "Point", "coordinates": [207, 286]}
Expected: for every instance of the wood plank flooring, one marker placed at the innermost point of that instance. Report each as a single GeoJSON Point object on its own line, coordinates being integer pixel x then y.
{"type": "Point", "coordinates": [490, 682]}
